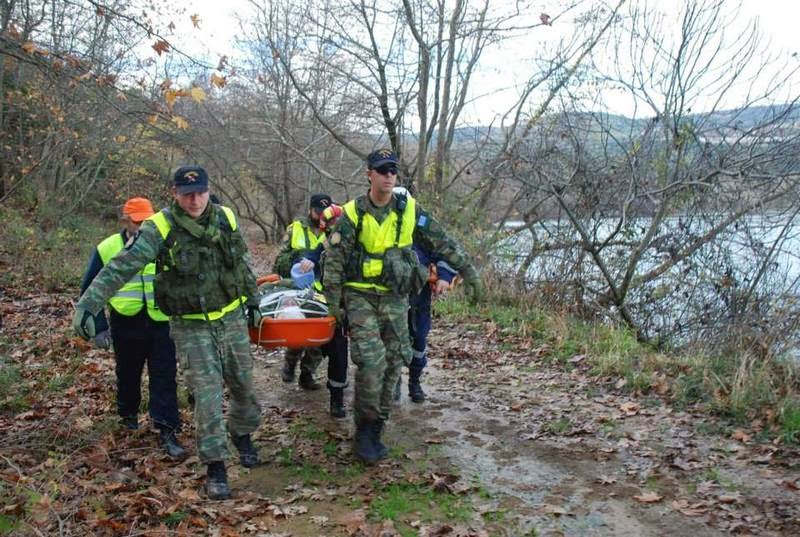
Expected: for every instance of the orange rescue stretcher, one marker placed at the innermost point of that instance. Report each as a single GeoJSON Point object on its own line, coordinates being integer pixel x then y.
{"type": "Point", "coordinates": [291, 317]}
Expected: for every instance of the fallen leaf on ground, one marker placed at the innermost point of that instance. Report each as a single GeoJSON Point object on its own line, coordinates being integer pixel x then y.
{"type": "Point", "coordinates": [696, 509]}
{"type": "Point", "coordinates": [648, 497]}
{"type": "Point", "coordinates": [630, 408]}
{"type": "Point", "coordinates": [741, 436]}
{"type": "Point", "coordinates": [554, 510]}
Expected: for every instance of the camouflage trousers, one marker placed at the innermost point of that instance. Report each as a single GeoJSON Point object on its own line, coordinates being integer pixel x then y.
{"type": "Point", "coordinates": [309, 358]}
{"type": "Point", "coordinates": [379, 347]}
{"type": "Point", "coordinates": [213, 355]}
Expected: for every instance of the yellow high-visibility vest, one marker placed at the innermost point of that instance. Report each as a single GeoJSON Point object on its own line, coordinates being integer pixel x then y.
{"type": "Point", "coordinates": [377, 238]}
{"type": "Point", "coordinates": [138, 291]}
{"type": "Point", "coordinates": [304, 240]}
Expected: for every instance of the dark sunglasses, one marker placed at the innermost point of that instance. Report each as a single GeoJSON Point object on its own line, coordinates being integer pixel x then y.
{"type": "Point", "coordinates": [386, 169]}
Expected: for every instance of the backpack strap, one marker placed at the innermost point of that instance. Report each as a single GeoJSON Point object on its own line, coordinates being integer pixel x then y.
{"type": "Point", "coordinates": [400, 207]}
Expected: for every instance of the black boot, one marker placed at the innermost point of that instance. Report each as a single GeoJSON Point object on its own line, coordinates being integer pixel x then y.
{"type": "Point", "coordinates": [337, 402]}
{"type": "Point", "coordinates": [397, 388]}
{"type": "Point", "coordinates": [217, 481]}
{"type": "Point", "coordinates": [380, 449]}
{"type": "Point", "coordinates": [363, 448]}
{"type": "Point", "coordinates": [287, 373]}
{"type": "Point", "coordinates": [171, 445]}
{"type": "Point", "coordinates": [248, 454]}
{"type": "Point", "coordinates": [129, 422]}
{"type": "Point", "coordinates": [414, 386]}
{"type": "Point", "coordinates": [307, 382]}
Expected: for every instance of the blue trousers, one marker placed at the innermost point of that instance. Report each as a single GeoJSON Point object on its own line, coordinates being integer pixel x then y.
{"type": "Point", "coordinates": [336, 352]}
{"type": "Point", "coordinates": [139, 341]}
{"type": "Point", "coordinates": [419, 325]}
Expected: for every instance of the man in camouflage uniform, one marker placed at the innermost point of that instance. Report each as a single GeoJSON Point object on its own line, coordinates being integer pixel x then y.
{"type": "Point", "coordinates": [303, 243]}
{"type": "Point", "coordinates": [203, 282]}
{"type": "Point", "coordinates": [372, 266]}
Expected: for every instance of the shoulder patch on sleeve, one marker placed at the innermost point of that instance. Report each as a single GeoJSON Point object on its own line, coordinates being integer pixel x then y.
{"type": "Point", "coordinates": [335, 238]}
{"type": "Point", "coordinates": [422, 220]}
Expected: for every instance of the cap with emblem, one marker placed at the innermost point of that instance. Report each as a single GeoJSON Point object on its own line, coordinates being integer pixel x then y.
{"type": "Point", "coordinates": [320, 202]}
{"type": "Point", "coordinates": [190, 179]}
{"type": "Point", "coordinates": [380, 157]}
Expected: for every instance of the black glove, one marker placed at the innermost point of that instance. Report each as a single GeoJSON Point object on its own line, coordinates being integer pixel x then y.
{"type": "Point", "coordinates": [254, 317]}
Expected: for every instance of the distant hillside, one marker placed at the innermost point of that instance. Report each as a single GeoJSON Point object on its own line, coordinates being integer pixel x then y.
{"type": "Point", "coordinates": [740, 119]}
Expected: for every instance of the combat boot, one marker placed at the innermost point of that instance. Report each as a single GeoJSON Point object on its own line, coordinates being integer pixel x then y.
{"type": "Point", "coordinates": [287, 373]}
{"type": "Point", "coordinates": [380, 449]}
{"type": "Point", "coordinates": [307, 382]}
{"type": "Point", "coordinates": [248, 454]}
{"type": "Point", "coordinates": [363, 448]}
{"type": "Point", "coordinates": [414, 386]}
{"type": "Point", "coordinates": [171, 445]}
{"type": "Point", "coordinates": [217, 481]}
{"type": "Point", "coordinates": [337, 402]}
{"type": "Point", "coordinates": [129, 422]}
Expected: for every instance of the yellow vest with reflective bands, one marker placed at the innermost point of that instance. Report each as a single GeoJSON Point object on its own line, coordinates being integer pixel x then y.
{"type": "Point", "coordinates": [162, 223]}
{"type": "Point", "coordinates": [137, 292]}
{"type": "Point", "coordinates": [299, 232]}
{"type": "Point", "coordinates": [377, 238]}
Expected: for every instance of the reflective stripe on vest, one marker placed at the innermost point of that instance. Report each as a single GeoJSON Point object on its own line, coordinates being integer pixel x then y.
{"type": "Point", "coordinates": [138, 290]}
{"type": "Point", "coordinates": [162, 224]}
{"type": "Point", "coordinates": [377, 238]}
{"type": "Point", "coordinates": [301, 232]}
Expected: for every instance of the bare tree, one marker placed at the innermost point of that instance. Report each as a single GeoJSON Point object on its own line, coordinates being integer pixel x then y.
{"type": "Point", "coordinates": [674, 220]}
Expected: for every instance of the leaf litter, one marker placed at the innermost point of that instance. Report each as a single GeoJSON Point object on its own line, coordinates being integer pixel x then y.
{"type": "Point", "coordinates": [65, 464]}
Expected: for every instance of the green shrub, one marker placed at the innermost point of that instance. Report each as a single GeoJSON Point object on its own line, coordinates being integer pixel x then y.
{"type": "Point", "coordinates": [50, 256]}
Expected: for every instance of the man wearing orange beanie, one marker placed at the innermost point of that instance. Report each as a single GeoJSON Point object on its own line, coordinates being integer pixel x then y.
{"type": "Point", "coordinates": [139, 334]}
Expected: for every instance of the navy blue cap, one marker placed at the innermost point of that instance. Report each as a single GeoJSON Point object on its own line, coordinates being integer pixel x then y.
{"type": "Point", "coordinates": [320, 202]}
{"type": "Point", "coordinates": [378, 158]}
{"type": "Point", "coordinates": [190, 179]}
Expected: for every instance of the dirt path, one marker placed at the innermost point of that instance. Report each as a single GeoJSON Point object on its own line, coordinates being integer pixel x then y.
{"type": "Point", "coordinates": [508, 444]}
{"type": "Point", "coordinates": [543, 451]}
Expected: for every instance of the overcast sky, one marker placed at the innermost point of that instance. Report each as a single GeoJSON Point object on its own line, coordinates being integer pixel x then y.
{"type": "Point", "coordinates": [779, 22]}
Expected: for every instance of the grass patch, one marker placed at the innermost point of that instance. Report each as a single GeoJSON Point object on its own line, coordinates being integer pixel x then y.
{"type": "Point", "coordinates": [494, 517]}
{"type": "Point", "coordinates": [790, 421]}
{"type": "Point", "coordinates": [60, 382]}
{"type": "Point", "coordinates": [8, 524]}
{"type": "Point", "coordinates": [330, 448]}
{"type": "Point", "coordinates": [559, 426]}
{"type": "Point", "coordinates": [174, 518]}
{"type": "Point", "coordinates": [405, 502]}
{"type": "Point", "coordinates": [13, 392]}
{"type": "Point", "coordinates": [305, 428]}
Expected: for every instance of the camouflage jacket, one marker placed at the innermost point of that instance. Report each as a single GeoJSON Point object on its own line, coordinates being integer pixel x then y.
{"type": "Point", "coordinates": [342, 243]}
{"type": "Point", "coordinates": [128, 262]}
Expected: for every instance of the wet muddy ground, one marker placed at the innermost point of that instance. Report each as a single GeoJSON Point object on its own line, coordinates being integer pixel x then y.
{"type": "Point", "coordinates": [537, 449]}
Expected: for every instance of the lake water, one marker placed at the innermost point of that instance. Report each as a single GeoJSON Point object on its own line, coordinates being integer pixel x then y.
{"type": "Point", "coordinates": [750, 268]}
